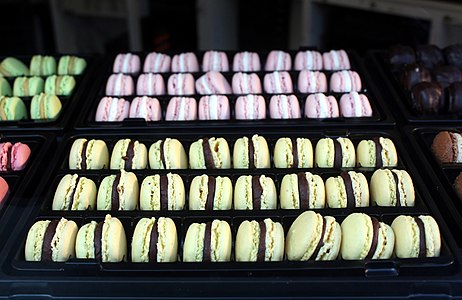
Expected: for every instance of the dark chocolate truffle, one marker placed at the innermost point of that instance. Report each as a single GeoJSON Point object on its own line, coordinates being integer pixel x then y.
{"type": "Point", "coordinates": [453, 55]}
{"type": "Point", "coordinates": [399, 55]}
{"type": "Point", "coordinates": [454, 94]}
{"type": "Point", "coordinates": [427, 97]}
{"type": "Point", "coordinates": [458, 186]}
{"type": "Point", "coordinates": [413, 74]}
{"type": "Point", "coordinates": [429, 55]}
{"type": "Point", "coordinates": [445, 75]}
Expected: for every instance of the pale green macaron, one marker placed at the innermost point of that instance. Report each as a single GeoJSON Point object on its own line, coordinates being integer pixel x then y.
{"type": "Point", "coordinates": [59, 85]}
{"type": "Point", "coordinates": [28, 86]}
{"type": "Point", "coordinates": [12, 109]}
{"type": "Point", "coordinates": [42, 65]}
{"type": "Point", "coordinates": [5, 87]}
{"type": "Point", "coordinates": [13, 67]}
{"type": "Point", "coordinates": [45, 107]}
{"type": "Point", "coordinates": [71, 65]}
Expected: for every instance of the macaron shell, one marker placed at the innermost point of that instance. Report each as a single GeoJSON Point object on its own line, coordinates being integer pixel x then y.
{"type": "Point", "coordinates": [312, 82]}
{"type": "Point", "coordinates": [128, 190]}
{"type": "Point", "coordinates": [5, 87]}
{"type": "Point", "coordinates": [303, 236]}
{"type": "Point", "coordinates": [176, 192]}
{"type": "Point", "coordinates": [212, 83]}
{"type": "Point", "coordinates": [196, 155]}
{"type": "Point", "coordinates": [406, 237]}
{"type": "Point", "coordinates": [4, 189]}
{"type": "Point", "coordinates": [432, 236]}
{"type": "Point", "coordinates": [332, 240]}
{"type": "Point", "coordinates": [13, 67]}
{"type": "Point", "coordinates": [261, 152]}
{"type": "Point", "coordinates": [193, 246]}
{"type": "Point", "coordinates": [174, 153]}
{"type": "Point", "coordinates": [278, 82]}
{"type": "Point", "coordinates": [112, 110]}
{"type": "Point", "coordinates": [119, 155]}
{"type": "Point", "coordinates": [146, 108]}
{"type": "Point", "coordinates": [34, 241]}
{"type": "Point", "coordinates": [356, 236]}
{"type": "Point", "coordinates": [97, 155]}
{"type": "Point", "coordinates": [220, 241]}
{"type": "Point", "coordinates": [345, 82]}
{"type": "Point", "coordinates": [283, 153]}
{"type": "Point", "coordinates": [45, 107]}
{"type": "Point", "coordinates": [442, 147]}
{"type": "Point", "coordinates": [85, 196]}
{"type": "Point", "coordinates": [84, 242]}
{"type": "Point", "coordinates": [324, 153]}
{"type": "Point", "coordinates": [20, 154]}
{"type": "Point", "coordinates": [243, 193]}
{"type": "Point", "coordinates": [12, 109]}
{"type": "Point", "coordinates": [247, 241]}
{"type": "Point", "coordinates": [336, 195]}
{"type": "Point", "coordinates": [141, 240]}
{"type": "Point", "coordinates": [383, 188]}
{"type": "Point", "coordinates": [113, 241]}
{"type": "Point", "coordinates": [305, 153]}
{"type": "Point", "coordinates": [65, 237]}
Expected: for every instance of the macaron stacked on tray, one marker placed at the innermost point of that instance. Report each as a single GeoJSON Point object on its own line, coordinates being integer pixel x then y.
{"type": "Point", "coordinates": [40, 92]}
{"type": "Point", "coordinates": [234, 89]}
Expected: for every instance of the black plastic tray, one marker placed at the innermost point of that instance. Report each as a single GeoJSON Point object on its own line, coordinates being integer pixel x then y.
{"type": "Point", "coordinates": [381, 115]}
{"type": "Point", "coordinates": [402, 277]}
{"type": "Point", "coordinates": [70, 104]}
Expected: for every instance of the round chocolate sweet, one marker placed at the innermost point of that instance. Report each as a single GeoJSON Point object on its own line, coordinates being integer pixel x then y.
{"type": "Point", "coordinates": [458, 186]}
{"type": "Point", "coordinates": [413, 74]}
{"type": "Point", "coordinates": [429, 55]}
{"type": "Point", "coordinates": [454, 92]}
{"type": "Point", "coordinates": [442, 147]}
{"type": "Point", "coordinates": [453, 55]}
{"type": "Point", "coordinates": [427, 97]}
{"type": "Point", "coordinates": [445, 75]}
{"type": "Point", "coordinates": [399, 55]}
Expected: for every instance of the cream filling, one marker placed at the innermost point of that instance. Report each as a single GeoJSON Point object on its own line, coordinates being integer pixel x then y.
{"type": "Point", "coordinates": [213, 107]}
{"type": "Point", "coordinates": [255, 240]}
{"type": "Point", "coordinates": [372, 154]}
{"type": "Point", "coordinates": [392, 187]}
{"type": "Point", "coordinates": [386, 159]}
{"type": "Point", "coordinates": [105, 239]}
{"type": "Point", "coordinates": [215, 145]}
{"type": "Point", "coordinates": [335, 60]}
{"type": "Point", "coordinates": [79, 189]}
{"type": "Point", "coordinates": [369, 237]}
{"type": "Point", "coordinates": [88, 156]}
{"type": "Point", "coordinates": [356, 185]}
{"type": "Point", "coordinates": [203, 191]}
{"type": "Point", "coordinates": [90, 240]}
{"type": "Point", "coordinates": [295, 196]}
{"type": "Point", "coordinates": [157, 161]}
{"type": "Point", "coordinates": [264, 182]}
{"type": "Point", "coordinates": [162, 239]}
{"type": "Point", "coordinates": [330, 152]}
{"type": "Point", "coordinates": [401, 188]}
{"type": "Point", "coordinates": [251, 111]}
{"type": "Point", "coordinates": [348, 85]}
{"type": "Point", "coordinates": [248, 192]}
{"type": "Point", "coordinates": [415, 233]}
{"type": "Point", "coordinates": [256, 151]}
{"type": "Point", "coordinates": [288, 153]}
{"type": "Point", "coordinates": [431, 251]}
{"type": "Point", "coordinates": [126, 62]}
{"type": "Point", "coordinates": [269, 240]}
{"type": "Point", "coordinates": [147, 240]}
{"type": "Point", "coordinates": [154, 192]}
{"type": "Point", "coordinates": [277, 79]}
{"type": "Point", "coordinates": [245, 157]}
{"type": "Point", "coordinates": [182, 109]}
{"type": "Point", "coordinates": [215, 241]}
{"type": "Point", "coordinates": [458, 139]}
{"type": "Point", "coordinates": [219, 189]}
{"type": "Point", "coordinates": [67, 196]}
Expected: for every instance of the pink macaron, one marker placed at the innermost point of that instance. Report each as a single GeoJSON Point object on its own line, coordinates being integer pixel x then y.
{"type": "Point", "coordinates": [214, 107]}
{"type": "Point", "coordinates": [312, 82]}
{"type": "Point", "coordinates": [112, 110]}
{"type": "Point", "coordinates": [4, 189]}
{"type": "Point", "coordinates": [215, 61]}
{"type": "Point", "coordinates": [355, 105]}
{"type": "Point", "coordinates": [181, 109]}
{"type": "Point", "coordinates": [181, 84]}
{"type": "Point", "coordinates": [321, 106]}
{"type": "Point", "coordinates": [284, 107]}
{"type": "Point", "coordinates": [278, 83]}
{"type": "Point", "coordinates": [185, 62]}
{"type": "Point", "coordinates": [345, 82]}
{"type": "Point", "coordinates": [146, 108]}
{"type": "Point", "coordinates": [126, 63]}
{"type": "Point", "coordinates": [278, 61]}
{"type": "Point", "coordinates": [246, 83]}
{"type": "Point", "coordinates": [150, 84]}
{"type": "Point", "coordinates": [246, 62]}
{"type": "Point", "coordinates": [157, 63]}
{"type": "Point", "coordinates": [335, 60]}
{"type": "Point", "coordinates": [250, 107]}
{"type": "Point", "coordinates": [119, 85]}
{"type": "Point", "coordinates": [13, 157]}
{"type": "Point", "coordinates": [213, 83]}
{"type": "Point", "coordinates": [308, 60]}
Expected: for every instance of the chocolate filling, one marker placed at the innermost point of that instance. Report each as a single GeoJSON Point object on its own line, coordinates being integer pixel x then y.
{"type": "Point", "coordinates": [251, 155]}
{"type": "Point", "coordinates": [351, 202]}
{"type": "Point", "coordinates": [398, 198]}
{"type": "Point", "coordinates": [115, 201]}
{"type": "Point", "coordinates": [163, 193]}
{"type": "Point", "coordinates": [129, 156]}
{"type": "Point", "coordinates": [97, 240]}
{"type": "Point", "coordinates": [47, 239]}
{"type": "Point", "coordinates": [208, 157]}
{"type": "Point", "coordinates": [375, 237]}
{"type": "Point", "coordinates": [73, 194]}
{"type": "Point", "coordinates": [207, 243]}
{"type": "Point", "coordinates": [338, 154]}
{"type": "Point", "coordinates": [162, 155]}
{"type": "Point", "coordinates": [257, 191]}
{"type": "Point", "coordinates": [378, 152]}
{"type": "Point", "coordinates": [321, 240]}
{"type": "Point", "coordinates": [10, 159]}
{"type": "Point", "coordinates": [295, 153]}
{"type": "Point", "coordinates": [303, 191]}
{"type": "Point", "coordinates": [83, 165]}
{"type": "Point", "coordinates": [422, 243]}
{"type": "Point", "coordinates": [210, 193]}
{"type": "Point", "coordinates": [262, 242]}
{"type": "Point", "coordinates": [153, 243]}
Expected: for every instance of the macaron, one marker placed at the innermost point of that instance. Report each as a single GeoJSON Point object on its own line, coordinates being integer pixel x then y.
{"type": "Point", "coordinates": [75, 192]}
{"type": "Point", "coordinates": [209, 153]}
{"type": "Point", "coordinates": [45, 107]}
{"type": "Point", "coordinates": [312, 82]}
{"type": "Point", "coordinates": [293, 153]}
{"type": "Point", "coordinates": [214, 107]}
{"type": "Point", "coordinates": [215, 61]}
{"type": "Point", "coordinates": [278, 82]}
{"type": "Point", "coordinates": [181, 109]}
{"type": "Point", "coordinates": [167, 154]}
{"type": "Point", "coordinates": [213, 83]}
{"type": "Point", "coordinates": [112, 109]}
{"type": "Point", "coordinates": [181, 84]}
{"type": "Point", "coordinates": [155, 240]}
{"type": "Point", "coordinates": [129, 155]}
{"type": "Point", "coordinates": [458, 186]}
{"type": "Point", "coordinates": [146, 108]}
{"type": "Point", "coordinates": [392, 188]}
{"type": "Point", "coordinates": [51, 241]}
{"type": "Point", "coordinates": [365, 237]}
{"type": "Point", "coordinates": [320, 106]}
{"type": "Point", "coordinates": [185, 62]}
{"type": "Point", "coordinates": [250, 107]}
{"type": "Point", "coordinates": [210, 193]}
{"type": "Point", "coordinates": [104, 241]}
{"type": "Point", "coordinates": [12, 109]}
{"type": "Point", "coordinates": [208, 242]}
{"type": "Point", "coordinates": [376, 152]}
{"type": "Point", "coordinates": [354, 105]}
{"type": "Point", "coordinates": [162, 192]}
{"type": "Point", "coordinates": [447, 147]}
{"type": "Point", "coordinates": [61, 85]}
{"type": "Point", "coordinates": [348, 190]}
{"type": "Point", "coordinates": [120, 85]}
{"type": "Point", "coordinates": [5, 87]}
{"type": "Point", "coordinates": [71, 65]}
{"type": "Point", "coordinates": [284, 107]}
{"type": "Point", "coordinates": [88, 155]}
{"type": "Point", "coordinates": [256, 192]}
{"type": "Point", "coordinates": [13, 67]}
{"type": "Point", "coordinates": [246, 83]}
{"type": "Point", "coordinates": [150, 85]}
{"type": "Point", "coordinates": [308, 60]}
{"type": "Point", "coordinates": [28, 86]}
{"type": "Point", "coordinates": [313, 237]}
{"type": "Point", "coordinates": [336, 60]}
{"type": "Point", "coordinates": [118, 192]}
{"type": "Point", "coordinates": [259, 241]}
{"type": "Point", "coordinates": [416, 237]}
{"type": "Point", "coordinates": [246, 62]}
{"type": "Point", "coordinates": [14, 157]}
{"type": "Point", "coordinates": [127, 63]}
{"type": "Point", "coordinates": [345, 82]}
{"type": "Point", "coordinates": [302, 191]}
{"type": "Point", "coordinates": [4, 189]}
{"type": "Point", "coordinates": [157, 63]}
{"type": "Point", "coordinates": [278, 60]}
{"type": "Point", "coordinates": [42, 65]}
{"type": "Point", "coordinates": [251, 153]}
{"type": "Point", "coordinates": [338, 153]}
